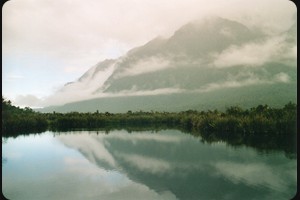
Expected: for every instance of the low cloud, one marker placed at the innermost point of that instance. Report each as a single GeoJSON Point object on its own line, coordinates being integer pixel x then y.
{"type": "Point", "coordinates": [252, 79]}
{"type": "Point", "coordinates": [82, 89]}
{"type": "Point", "coordinates": [144, 66]}
{"type": "Point", "coordinates": [230, 84]}
{"type": "Point", "coordinates": [77, 39]}
{"type": "Point", "coordinates": [27, 100]}
{"type": "Point", "coordinates": [70, 36]}
{"type": "Point", "coordinates": [79, 91]}
{"type": "Point", "coordinates": [14, 77]}
{"type": "Point", "coordinates": [75, 94]}
{"type": "Point", "coordinates": [135, 92]}
{"type": "Point", "coordinates": [282, 77]}
{"type": "Point", "coordinates": [254, 54]}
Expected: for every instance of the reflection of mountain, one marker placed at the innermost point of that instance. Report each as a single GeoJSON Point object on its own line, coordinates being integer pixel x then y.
{"type": "Point", "coordinates": [201, 60]}
{"type": "Point", "coordinates": [178, 163]}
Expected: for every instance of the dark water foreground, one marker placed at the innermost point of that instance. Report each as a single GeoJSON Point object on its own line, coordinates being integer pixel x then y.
{"type": "Point", "coordinates": [163, 164]}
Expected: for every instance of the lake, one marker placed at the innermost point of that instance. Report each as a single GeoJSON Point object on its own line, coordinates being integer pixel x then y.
{"type": "Point", "coordinates": [166, 165]}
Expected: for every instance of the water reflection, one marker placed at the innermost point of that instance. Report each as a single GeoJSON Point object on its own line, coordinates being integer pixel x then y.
{"type": "Point", "coordinates": [143, 165]}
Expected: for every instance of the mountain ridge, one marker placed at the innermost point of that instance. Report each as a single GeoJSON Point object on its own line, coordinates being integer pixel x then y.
{"type": "Point", "coordinates": [201, 56]}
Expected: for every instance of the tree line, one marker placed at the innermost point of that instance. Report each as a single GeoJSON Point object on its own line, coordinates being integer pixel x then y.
{"type": "Point", "coordinates": [258, 126]}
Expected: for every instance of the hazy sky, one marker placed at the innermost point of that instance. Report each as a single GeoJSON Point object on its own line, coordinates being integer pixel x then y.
{"type": "Point", "coordinates": [47, 43]}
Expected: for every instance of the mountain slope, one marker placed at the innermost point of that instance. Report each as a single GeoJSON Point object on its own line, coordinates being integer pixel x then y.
{"type": "Point", "coordinates": [203, 60]}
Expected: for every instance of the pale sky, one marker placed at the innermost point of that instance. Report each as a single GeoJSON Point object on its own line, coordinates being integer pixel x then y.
{"type": "Point", "coordinates": [47, 43]}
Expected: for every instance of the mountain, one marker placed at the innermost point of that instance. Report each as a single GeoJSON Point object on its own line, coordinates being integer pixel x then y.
{"type": "Point", "coordinates": [207, 64]}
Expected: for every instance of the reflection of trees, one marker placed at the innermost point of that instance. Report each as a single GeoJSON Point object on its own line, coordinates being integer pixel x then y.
{"type": "Point", "coordinates": [4, 160]}
{"type": "Point", "coordinates": [261, 127]}
{"type": "Point", "coordinates": [4, 140]}
{"type": "Point", "coordinates": [261, 143]}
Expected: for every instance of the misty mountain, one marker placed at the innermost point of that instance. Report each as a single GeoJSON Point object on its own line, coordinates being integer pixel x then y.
{"type": "Point", "coordinates": [203, 60]}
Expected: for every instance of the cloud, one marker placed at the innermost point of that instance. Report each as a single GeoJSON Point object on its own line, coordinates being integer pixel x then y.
{"type": "Point", "coordinates": [27, 100]}
{"type": "Point", "coordinates": [143, 66]}
{"type": "Point", "coordinates": [282, 77]}
{"type": "Point", "coordinates": [14, 77]}
{"type": "Point", "coordinates": [70, 93]}
{"type": "Point", "coordinates": [71, 36]}
{"type": "Point", "coordinates": [82, 89]}
{"type": "Point", "coordinates": [230, 84]}
{"type": "Point", "coordinates": [135, 92]}
{"type": "Point", "coordinates": [254, 54]}
{"type": "Point", "coordinates": [82, 33]}
{"type": "Point", "coordinates": [244, 79]}
{"type": "Point", "coordinates": [73, 95]}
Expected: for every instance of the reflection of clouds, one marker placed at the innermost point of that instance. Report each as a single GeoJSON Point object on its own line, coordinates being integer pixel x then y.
{"type": "Point", "coordinates": [13, 155]}
{"type": "Point", "coordinates": [80, 182]}
{"type": "Point", "coordinates": [82, 166]}
{"type": "Point", "coordinates": [90, 146]}
{"type": "Point", "coordinates": [82, 170]}
{"type": "Point", "coordinates": [100, 150]}
{"type": "Point", "coordinates": [113, 185]}
{"type": "Point", "coordinates": [73, 177]}
{"type": "Point", "coordinates": [95, 147]}
{"type": "Point", "coordinates": [255, 174]}
{"type": "Point", "coordinates": [146, 164]}
{"type": "Point", "coordinates": [148, 136]}
{"type": "Point", "coordinates": [137, 191]}
{"type": "Point", "coordinates": [159, 160]}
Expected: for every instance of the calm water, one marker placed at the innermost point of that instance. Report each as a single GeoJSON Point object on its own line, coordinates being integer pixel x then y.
{"type": "Point", "coordinates": [166, 165]}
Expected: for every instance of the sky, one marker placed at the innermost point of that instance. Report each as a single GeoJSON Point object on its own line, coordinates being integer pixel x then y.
{"type": "Point", "coordinates": [47, 43]}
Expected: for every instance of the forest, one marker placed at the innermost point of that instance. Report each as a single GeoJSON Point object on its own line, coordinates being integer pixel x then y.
{"type": "Point", "coordinates": [262, 127]}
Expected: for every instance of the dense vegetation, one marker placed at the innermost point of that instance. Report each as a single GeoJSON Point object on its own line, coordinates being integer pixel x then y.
{"type": "Point", "coordinates": [16, 120]}
{"type": "Point", "coordinates": [262, 126]}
